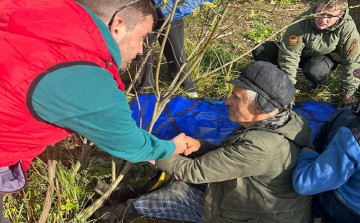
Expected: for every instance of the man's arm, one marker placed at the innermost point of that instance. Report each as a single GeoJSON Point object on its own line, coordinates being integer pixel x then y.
{"type": "Point", "coordinates": [316, 173]}
{"type": "Point", "coordinates": [290, 50]}
{"type": "Point", "coordinates": [182, 10]}
{"type": "Point", "coordinates": [240, 159]}
{"type": "Point", "coordinates": [86, 100]}
{"type": "Point", "coordinates": [350, 56]}
{"type": "Point", "coordinates": [204, 147]}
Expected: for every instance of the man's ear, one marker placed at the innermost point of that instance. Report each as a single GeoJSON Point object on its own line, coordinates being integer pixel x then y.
{"type": "Point", "coordinates": [118, 29]}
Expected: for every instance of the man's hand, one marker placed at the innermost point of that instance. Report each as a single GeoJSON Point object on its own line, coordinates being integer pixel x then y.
{"type": "Point", "coordinates": [185, 144]}
{"type": "Point", "coordinates": [306, 149]}
{"type": "Point", "coordinates": [180, 144]}
{"type": "Point", "coordinates": [291, 105]}
{"type": "Point", "coordinates": [348, 100]}
{"type": "Point", "coordinates": [152, 162]}
{"type": "Point", "coordinates": [193, 145]}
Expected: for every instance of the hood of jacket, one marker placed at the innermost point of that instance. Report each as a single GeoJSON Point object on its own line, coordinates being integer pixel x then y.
{"type": "Point", "coordinates": [284, 123]}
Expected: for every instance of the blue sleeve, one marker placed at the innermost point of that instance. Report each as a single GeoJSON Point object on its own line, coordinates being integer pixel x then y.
{"type": "Point", "coordinates": [86, 100]}
{"type": "Point", "coordinates": [316, 173]}
{"type": "Point", "coordinates": [183, 9]}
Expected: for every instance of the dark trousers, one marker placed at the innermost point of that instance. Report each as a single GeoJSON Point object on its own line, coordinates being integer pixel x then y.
{"type": "Point", "coordinates": [327, 206]}
{"type": "Point", "coordinates": [174, 53]}
{"type": "Point", "coordinates": [317, 68]}
{"type": "Point", "coordinates": [2, 218]}
{"type": "Point", "coordinates": [1, 208]}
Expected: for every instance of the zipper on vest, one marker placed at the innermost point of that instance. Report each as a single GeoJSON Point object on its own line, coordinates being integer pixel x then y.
{"type": "Point", "coordinates": [108, 63]}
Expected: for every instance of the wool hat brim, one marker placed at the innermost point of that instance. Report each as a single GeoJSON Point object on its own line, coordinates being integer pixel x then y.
{"type": "Point", "coordinates": [262, 103]}
{"type": "Point", "coordinates": [273, 86]}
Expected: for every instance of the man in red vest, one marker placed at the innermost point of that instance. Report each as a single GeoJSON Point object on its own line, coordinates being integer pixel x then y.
{"type": "Point", "coordinates": [59, 74]}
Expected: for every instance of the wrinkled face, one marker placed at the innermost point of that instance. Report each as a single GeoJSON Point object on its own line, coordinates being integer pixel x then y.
{"type": "Point", "coordinates": [240, 109]}
{"type": "Point", "coordinates": [326, 17]}
{"type": "Point", "coordinates": [130, 42]}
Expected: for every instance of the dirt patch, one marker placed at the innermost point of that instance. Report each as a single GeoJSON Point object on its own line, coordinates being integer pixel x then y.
{"type": "Point", "coordinates": [355, 12]}
{"type": "Point", "coordinates": [256, 19]}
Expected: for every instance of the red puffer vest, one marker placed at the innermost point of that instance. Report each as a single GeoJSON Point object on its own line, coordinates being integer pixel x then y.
{"type": "Point", "coordinates": [36, 37]}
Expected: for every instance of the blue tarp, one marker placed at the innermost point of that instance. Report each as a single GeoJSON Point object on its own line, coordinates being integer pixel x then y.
{"type": "Point", "coordinates": [316, 113]}
{"type": "Point", "coordinates": [208, 119]}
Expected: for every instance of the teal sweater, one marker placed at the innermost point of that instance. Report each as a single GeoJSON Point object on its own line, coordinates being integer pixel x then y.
{"type": "Point", "coordinates": [86, 100]}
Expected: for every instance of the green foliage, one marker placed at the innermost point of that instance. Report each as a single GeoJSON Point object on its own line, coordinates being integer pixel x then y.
{"type": "Point", "coordinates": [259, 32]}
{"type": "Point", "coordinates": [26, 206]}
{"type": "Point", "coordinates": [216, 85]}
{"type": "Point", "coordinates": [72, 193]}
{"type": "Point", "coordinates": [285, 2]}
{"type": "Point", "coordinates": [329, 92]}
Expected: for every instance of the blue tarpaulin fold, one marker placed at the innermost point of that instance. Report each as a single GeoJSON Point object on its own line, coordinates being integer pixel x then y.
{"type": "Point", "coordinates": [208, 119]}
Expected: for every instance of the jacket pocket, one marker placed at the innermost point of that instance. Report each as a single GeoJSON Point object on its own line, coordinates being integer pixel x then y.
{"type": "Point", "coordinates": [222, 219]}
{"type": "Point", "coordinates": [12, 178]}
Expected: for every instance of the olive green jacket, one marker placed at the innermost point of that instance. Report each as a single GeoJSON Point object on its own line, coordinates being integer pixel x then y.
{"type": "Point", "coordinates": [250, 176]}
{"type": "Point", "coordinates": [340, 41]}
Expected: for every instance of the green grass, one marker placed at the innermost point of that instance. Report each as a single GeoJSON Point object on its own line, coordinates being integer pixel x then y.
{"type": "Point", "coordinates": [215, 85]}
{"type": "Point", "coordinates": [287, 2]}
{"type": "Point", "coordinates": [259, 32]}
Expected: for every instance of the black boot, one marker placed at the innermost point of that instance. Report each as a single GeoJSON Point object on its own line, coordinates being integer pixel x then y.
{"type": "Point", "coordinates": [120, 195]}
{"type": "Point", "coordinates": [115, 213]}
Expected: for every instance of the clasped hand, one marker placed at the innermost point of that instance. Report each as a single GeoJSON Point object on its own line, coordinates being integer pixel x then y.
{"type": "Point", "coordinates": [185, 144]}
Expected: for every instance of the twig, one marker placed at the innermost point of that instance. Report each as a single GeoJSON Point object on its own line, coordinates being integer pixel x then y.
{"type": "Point", "coordinates": [160, 104]}
{"type": "Point", "coordinates": [162, 47]}
{"type": "Point", "coordinates": [249, 51]}
{"type": "Point", "coordinates": [37, 171]}
{"type": "Point", "coordinates": [85, 214]}
{"type": "Point", "coordinates": [58, 195]}
{"type": "Point", "coordinates": [137, 74]}
{"type": "Point", "coordinates": [52, 162]}
{"type": "Point", "coordinates": [113, 169]}
{"type": "Point", "coordinates": [85, 152]}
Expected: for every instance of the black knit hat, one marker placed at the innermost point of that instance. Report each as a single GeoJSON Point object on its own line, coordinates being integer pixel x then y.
{"type": "Point", "coordinates": [273, 86]}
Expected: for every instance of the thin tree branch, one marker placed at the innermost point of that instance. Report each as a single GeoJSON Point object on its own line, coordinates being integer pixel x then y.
{"type": "Point", "coordinates": [52, 152]}
{"type": "Point", "coordinates": [85, 214]}
{"type": "Point", "coordinates": [85, 152]}
{"type": "Point", "coordinates": [160, 104]}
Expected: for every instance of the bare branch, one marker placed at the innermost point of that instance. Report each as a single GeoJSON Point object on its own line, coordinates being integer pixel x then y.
{"type": "Point", "coordinates": [85, 152]}
{"type": "Point", "coordinates": [256, 46]}
{"type": "Point", "coordinates": [52, 153]}
{"type": "Point", "coordinates": [160, 104]}
{"type": "Point", "coordinates": [85, 214]}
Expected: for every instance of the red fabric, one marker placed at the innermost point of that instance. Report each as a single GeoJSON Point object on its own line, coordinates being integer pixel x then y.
{"type": "Point", "coordinates": [35, 36]}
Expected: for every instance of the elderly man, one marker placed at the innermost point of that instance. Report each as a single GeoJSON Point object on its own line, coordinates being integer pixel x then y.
{"type": "Point", "coordinates": [249, 177]}
{"type": "Point", "coordinates": [59, 74]}
{"type": "Point", "coordinates": [317, 45]}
